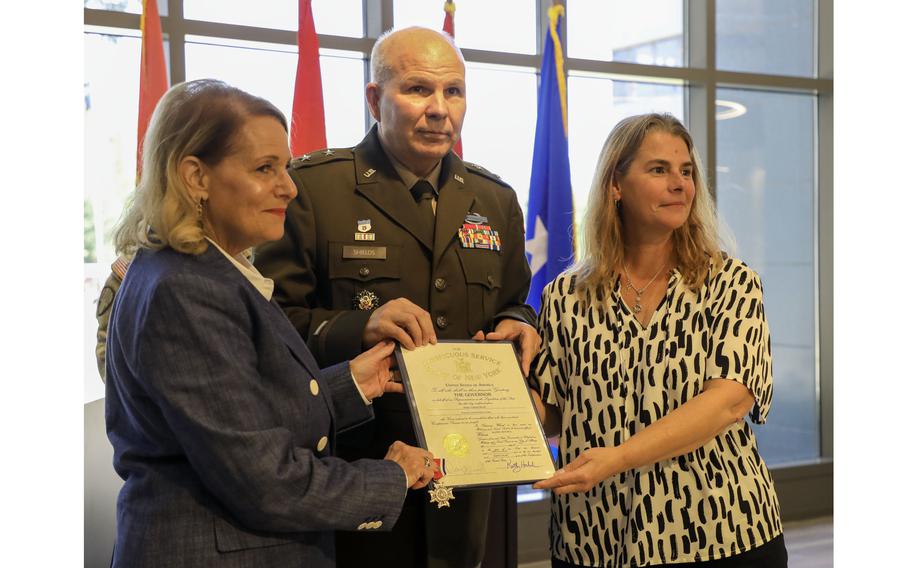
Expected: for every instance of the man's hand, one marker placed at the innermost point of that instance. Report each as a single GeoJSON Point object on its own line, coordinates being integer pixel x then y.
{"type": "Point", "coordinates": [522, 334]}
{"type": "Point", "coordinates": [372, 370]}
{"type": "Point", "coordinates": [401, 320]}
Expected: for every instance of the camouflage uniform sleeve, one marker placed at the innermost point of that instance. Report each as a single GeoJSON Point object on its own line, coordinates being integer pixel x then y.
{"type": "Point", "coordinates": [103, 315]}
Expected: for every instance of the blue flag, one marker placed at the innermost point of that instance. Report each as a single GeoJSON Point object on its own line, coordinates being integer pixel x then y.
{"type": "Point", "coordinates": [549, 236]}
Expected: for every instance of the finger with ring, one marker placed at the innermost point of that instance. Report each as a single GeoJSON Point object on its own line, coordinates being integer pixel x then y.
{"type": "Point", "coordinates": [427, 462]}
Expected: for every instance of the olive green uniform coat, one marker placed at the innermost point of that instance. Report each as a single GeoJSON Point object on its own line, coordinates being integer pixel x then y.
{"type": "Point", "coordinates": [323, 269]}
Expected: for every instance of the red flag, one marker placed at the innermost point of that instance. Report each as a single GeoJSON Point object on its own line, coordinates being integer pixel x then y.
{"type": "Point", "coordinates": [308, 116]}
{"type": "Point", "coordinates": [152, 71]}
{"type": "Point", "coordinates": [449, 26]}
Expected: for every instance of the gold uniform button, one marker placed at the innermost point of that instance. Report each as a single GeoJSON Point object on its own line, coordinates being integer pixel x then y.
{"type": "Point", "coordinates": [440, 284]}
{"type": "Point", "coordinates": [314, 387]}
{"type": "Point", "coordinates": [364, 271]}
{"type": "Point", "coordinates": [442, 322]}
{"type": "Point", "coordinates": [323, 442]}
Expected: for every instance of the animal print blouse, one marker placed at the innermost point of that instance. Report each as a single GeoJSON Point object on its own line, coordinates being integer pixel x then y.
{"type": "Point", "coordinates": [612, 377]}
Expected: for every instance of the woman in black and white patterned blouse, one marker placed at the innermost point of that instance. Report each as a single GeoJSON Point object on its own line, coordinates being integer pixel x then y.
{"type": "Point", "coordinates": [655, 350]}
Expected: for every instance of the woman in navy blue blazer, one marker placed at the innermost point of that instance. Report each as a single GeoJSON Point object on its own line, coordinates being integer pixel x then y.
{"type": "Point", "coordinates": [222, 424]}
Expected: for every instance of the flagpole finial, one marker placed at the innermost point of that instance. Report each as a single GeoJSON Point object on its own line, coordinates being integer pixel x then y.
{"type": "Point", "coordinates": [450, 6]}
{"type": "Point", "coordinates": [557, 10]}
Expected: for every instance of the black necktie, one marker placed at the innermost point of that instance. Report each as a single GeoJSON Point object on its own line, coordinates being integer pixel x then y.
{"type": "Point", "coordinates": [423, 194]}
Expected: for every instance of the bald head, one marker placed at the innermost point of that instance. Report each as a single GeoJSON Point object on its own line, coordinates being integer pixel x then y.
{"type": "Point", "coordinates": [417, 96]}
{"type": "Point", "coordinates": [393, 44]}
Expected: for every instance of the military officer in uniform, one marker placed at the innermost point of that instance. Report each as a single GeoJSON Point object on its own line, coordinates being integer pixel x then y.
{"type": "Point", "coordinates": [399, 238]}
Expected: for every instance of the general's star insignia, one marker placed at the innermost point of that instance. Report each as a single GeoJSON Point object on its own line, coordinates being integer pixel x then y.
{"type": "Point", "coordinates": [441, 494]}
{"type": "Point", "coordinates": [305, 157]}
{"type": "Point", "coordinates": [329, 152]}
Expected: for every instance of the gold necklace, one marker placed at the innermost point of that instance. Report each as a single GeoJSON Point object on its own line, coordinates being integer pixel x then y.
{"type": "Point", "coordinates": [637, 307]}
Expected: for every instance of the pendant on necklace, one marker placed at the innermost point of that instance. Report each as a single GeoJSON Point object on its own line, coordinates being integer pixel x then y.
{"type": "Point", "coordinates": [637, 307]}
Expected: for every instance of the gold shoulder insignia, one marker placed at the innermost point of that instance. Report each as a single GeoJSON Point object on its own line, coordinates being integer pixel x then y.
{"type": "Point", "coordinates": [322, 157]}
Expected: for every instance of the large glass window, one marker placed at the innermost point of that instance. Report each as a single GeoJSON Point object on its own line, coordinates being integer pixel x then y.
{"type": "Point", "coordinates": [497, 132]}
{"type": "Point", "coordinates": [130, 6]}
{"type": "Point", "coordinates": [766, 194]}
{"type": "Point", "coordinates": [776, 37]}
{"type": "Point", "coordinates": [335, 17]}
{"type": "Point", "coordinates": [649, 32]}
{"type": "Point", "coordinates": [268, 71]}
{"type": "Point", "coordinates": [111, 114]}
{"type": "Point", "coordinates": [505, 25]}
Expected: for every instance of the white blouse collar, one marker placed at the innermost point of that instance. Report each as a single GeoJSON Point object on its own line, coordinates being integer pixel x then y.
{"type": "Point", "coordinates": [266, 286]}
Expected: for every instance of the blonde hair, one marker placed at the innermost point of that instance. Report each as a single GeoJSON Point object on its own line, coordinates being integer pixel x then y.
{"type": "Point", "coordinates": [198, 118]}
{"type": "Point", "coordinates": [602, 249]}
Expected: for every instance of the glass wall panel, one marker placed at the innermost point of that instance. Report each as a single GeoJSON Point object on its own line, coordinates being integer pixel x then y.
{"type": "Point", "coordinates": [504, 25]}
{"type": "Point", "coordinates": [268, 70]}
{"type": "Point", "coordinates": [649, 32]}
{"type": "Point", "coordinates": [333, 17]}
{"type": "Point", "coordinates": [766, 194]}
{"type": "Point", "coordinates": [766, 36]}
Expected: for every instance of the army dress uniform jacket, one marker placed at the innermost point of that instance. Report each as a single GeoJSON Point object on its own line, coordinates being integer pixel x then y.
{"type": "Point", "coordinates": [354, 239]}
{"type": "Point", "coordinates": [325, 262]}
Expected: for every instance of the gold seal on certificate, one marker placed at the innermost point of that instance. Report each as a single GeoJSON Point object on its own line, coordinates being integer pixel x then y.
{"type": "Point", "coordinates": [472, 409]}
{"type": "Point", "coordinates": [455, 444]}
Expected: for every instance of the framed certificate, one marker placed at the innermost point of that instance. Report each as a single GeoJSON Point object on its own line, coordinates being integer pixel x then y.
{"type": "Point", "coordinates": [471, 407]}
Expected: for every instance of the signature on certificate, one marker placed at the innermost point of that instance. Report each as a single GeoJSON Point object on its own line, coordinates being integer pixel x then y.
{"type": "Point", "coordinates": [517, 466]}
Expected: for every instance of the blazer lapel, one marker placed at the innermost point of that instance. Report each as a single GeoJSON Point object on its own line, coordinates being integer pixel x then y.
{"type": "Point", "coordinates": [378, 182]}
{"type": "Point", "coordinates": [292, 339]}
{"type": "Point", "coordinates": [455, 201]}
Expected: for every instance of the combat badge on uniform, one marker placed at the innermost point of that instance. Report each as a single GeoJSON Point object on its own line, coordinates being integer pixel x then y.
{"type": "Point", "coordinates": [366, 300]}
{"type": "Point", "coordinates": [475, 233]}
{"type": "Point", "coordinates": [363, 231]}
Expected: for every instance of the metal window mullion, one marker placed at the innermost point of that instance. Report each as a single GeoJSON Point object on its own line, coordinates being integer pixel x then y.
{"type": "Point", "coordinates": [174, 26]}
{"type": "Point", "coordinates": [108, 19]}
{"type": "Point", "coordinates": [825, 226]}
{"type": "Point", "coordinates": [377, 18]}
{"type": "Point", "coordinates": [701, 94]}
{"type": "Point", "coordinates": [543, 25]}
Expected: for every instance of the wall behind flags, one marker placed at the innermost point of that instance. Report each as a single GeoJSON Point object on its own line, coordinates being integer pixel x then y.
{"type": "Point", "coordinates": [751, 78]}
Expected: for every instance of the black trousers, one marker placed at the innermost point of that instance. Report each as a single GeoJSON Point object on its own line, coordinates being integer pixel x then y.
{"type": "Point", "coordinates": [772, 554]}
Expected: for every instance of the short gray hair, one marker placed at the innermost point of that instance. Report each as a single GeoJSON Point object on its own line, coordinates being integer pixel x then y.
{"type": "Point", "coordinates": [381, 68]}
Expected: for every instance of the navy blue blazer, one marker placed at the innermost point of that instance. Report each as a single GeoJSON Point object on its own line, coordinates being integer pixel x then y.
{"type": "Point", "coordinates": [223, 426]}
